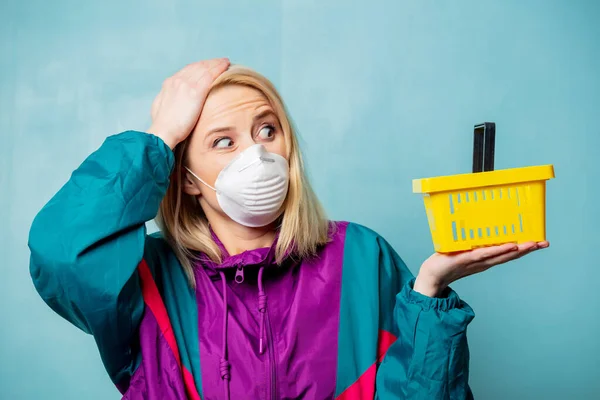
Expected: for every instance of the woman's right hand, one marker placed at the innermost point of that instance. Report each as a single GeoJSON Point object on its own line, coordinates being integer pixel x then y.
{"type": "Point", "coordinates": [176, 109]}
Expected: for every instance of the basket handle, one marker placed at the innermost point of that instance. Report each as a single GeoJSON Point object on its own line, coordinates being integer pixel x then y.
{"type": "Point", "coordinates": [484, 147]}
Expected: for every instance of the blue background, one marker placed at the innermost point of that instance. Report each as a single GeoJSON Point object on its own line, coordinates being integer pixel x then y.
{"type": "Point", "coordinates": [382, 92]}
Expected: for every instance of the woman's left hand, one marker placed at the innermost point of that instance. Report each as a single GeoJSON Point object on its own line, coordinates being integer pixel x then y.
{"type": "Point", "coordinates": [440, 270]}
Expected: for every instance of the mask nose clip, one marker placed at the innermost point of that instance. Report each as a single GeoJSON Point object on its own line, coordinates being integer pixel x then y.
{"type": "Point", "coordinates": [257, 160]}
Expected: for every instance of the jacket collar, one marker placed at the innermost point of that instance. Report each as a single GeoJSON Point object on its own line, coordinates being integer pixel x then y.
{"type": "Point", "coordinates": [261, 257]}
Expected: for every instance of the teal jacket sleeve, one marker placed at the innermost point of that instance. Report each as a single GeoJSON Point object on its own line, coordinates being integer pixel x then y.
{"type": "Point", "coordinates": [88, 240]}
{"type": "Point", "coordinates": [430, 357]}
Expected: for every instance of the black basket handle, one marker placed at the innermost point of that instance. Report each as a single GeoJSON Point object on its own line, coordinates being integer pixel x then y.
{"type": "Point", "coordinates": [484, 147]}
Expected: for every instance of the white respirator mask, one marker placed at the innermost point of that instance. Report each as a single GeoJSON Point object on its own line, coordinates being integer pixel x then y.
{"type": "Point", "coordinates": [252, 188]}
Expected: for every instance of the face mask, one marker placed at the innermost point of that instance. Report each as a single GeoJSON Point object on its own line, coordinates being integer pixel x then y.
{"type": "Point", "coordinates": [252, 188]}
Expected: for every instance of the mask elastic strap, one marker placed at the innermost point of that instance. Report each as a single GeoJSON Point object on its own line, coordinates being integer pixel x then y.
{"type": "Point", "coordinates": [197, 177]}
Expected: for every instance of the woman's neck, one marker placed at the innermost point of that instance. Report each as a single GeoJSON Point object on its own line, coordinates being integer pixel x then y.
{"type": "Point", "coordinates": [237, 238]}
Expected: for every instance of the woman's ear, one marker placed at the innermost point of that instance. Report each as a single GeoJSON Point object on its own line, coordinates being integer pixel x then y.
{"type": "Point", "coordinates": [189, 184]}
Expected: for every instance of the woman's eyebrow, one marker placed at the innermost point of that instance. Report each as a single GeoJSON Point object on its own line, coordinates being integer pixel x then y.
{"type": "Point", "coordinates": [264, 114]}
{"type": "Point", "coordinates": [216, 131]}
{"type": "Point", "coordinates": [219, 130]}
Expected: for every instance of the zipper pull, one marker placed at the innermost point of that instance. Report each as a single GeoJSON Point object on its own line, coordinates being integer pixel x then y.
{"type": "Point", "coordinates": [239, 275]}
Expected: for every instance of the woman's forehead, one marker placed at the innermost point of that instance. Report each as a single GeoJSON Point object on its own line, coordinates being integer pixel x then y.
{"type": "Point", "coordinates": [227, 101]}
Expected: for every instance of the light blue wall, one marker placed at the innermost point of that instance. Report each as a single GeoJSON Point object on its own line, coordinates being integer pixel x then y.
{"type": "Point", "coordinates": [382, 92]}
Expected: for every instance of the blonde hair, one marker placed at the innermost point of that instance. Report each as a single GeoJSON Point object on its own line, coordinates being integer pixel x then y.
{"type": "Point", "coordinates": [304, 226]}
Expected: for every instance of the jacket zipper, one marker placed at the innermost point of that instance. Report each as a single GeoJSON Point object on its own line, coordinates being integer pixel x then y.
{"type": "Point", "coordinates": [272, 359]}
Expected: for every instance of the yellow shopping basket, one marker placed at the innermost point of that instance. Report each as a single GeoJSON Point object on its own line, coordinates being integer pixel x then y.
{"type": "Point", "coordinates": [486, 208]}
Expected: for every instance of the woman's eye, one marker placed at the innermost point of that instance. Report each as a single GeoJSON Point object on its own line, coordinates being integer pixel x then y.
{"type": "Point", "coordinates": [266, 132]}
{"type": "Point", "coordinates": [223, 143]}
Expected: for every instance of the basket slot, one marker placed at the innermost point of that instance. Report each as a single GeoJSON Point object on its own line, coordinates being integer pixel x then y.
{"type": "Point", "coordinates": [521, 221]}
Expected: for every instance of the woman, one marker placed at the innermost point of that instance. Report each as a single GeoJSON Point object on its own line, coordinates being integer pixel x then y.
{"type": "Point", "coordinates": [248, 292]}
